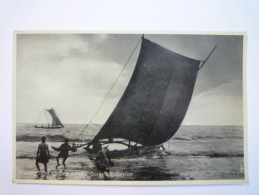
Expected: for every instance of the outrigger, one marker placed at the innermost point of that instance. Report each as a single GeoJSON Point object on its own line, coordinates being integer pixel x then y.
{"type": "Point", "coordinates": [153, 105]}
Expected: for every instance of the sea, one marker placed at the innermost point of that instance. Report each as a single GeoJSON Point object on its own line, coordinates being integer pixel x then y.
{"type": "Point", "coordinates": [194, 153]}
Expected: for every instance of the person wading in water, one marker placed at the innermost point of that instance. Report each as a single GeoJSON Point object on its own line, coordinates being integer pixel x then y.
{"type": "Point", "coordinates": [64, 149]}
{"type": "Point", "coordinates": [103, 159]}
{"type": "Point", "coordinates": [42, 154]}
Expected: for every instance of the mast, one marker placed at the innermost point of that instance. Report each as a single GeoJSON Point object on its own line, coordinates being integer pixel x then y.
{"type": "Point", "coordinates": [204, 62]}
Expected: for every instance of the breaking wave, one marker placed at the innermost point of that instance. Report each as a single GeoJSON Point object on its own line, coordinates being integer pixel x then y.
{"type": "Point", "coordinates": [52, 155]}
{"type": "Point", "coordinates": [194, 138]}
{"type": "Point", "coordinates": [50, 138]}
{"type": "Point", "coordinates": [61, 138]}
{"type": "Point", "coordinates": [207, 154]}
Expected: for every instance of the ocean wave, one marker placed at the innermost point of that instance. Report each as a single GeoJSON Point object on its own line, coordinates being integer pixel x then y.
{"type": "Point", "coordinates": [49, 138]}
{"type": "Point", "coordinates": [181, 139]}
{"type": "Point", "coordinates": [31, 157]}
{"type": "Point", "coordinates": [51, 156]}
{"type": "Point", "coordinates": [195, 138]}
{"type": "Point", "coordinates": [167, 153]}
{"type": "Point", "coordinates": [207, 154]}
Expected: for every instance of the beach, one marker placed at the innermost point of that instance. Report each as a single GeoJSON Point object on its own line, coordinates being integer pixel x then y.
{"type": "Point", "coordinates": [194, 153]}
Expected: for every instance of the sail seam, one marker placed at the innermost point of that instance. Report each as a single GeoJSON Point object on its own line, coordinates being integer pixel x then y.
{"type": "Point", "coordinates": [144, 107]}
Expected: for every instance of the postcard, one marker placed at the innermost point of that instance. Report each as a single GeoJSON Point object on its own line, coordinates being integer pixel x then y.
{"type": "Point", "coordinates": [129, 108]}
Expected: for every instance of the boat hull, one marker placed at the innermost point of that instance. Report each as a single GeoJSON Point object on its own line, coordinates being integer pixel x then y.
{"type": "Point", "coordinates": [128, 153]}
{"type": "Point", "coordinates": [47, 127]}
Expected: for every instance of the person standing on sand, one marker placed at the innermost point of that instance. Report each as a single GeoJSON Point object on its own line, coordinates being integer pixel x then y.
{"type": "Point", "coordinates": [42, 154]}
{"type": "Point", "coordinates": [64, 149]}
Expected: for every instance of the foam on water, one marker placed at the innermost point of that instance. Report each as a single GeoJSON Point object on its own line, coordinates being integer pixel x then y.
{"type": "Point", "coordinates": [194, 153]}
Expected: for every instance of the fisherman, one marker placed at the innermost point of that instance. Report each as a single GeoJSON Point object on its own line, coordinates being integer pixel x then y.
{"type": "Point", "coordinates": [104, 160]}
{"type": "Point", "coordinates": [64, 149]}
{"type": "Point", "coordinates": [97, 146]}
{"type": "Point", "coordinates": [42, 154]}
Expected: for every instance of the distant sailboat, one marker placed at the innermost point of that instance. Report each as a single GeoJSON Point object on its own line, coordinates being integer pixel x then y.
{"type": "Point", "coordinates": [56, 123]}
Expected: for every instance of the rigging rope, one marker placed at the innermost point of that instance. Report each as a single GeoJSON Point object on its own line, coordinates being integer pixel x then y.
{"type": "Point", "coordinates": [109, 90]}
{"type": "Point", "coordinates": [36, 121]}
{"type": "Point", "coordinates": [46, 117]}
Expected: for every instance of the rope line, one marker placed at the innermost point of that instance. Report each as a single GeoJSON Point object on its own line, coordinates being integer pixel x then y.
{"type": "Point", "coordinates": [38, 118]}
{"type": "Point", "coordinates": [46, 117]}
{"type": "Point", "coordinates": [109, 90]}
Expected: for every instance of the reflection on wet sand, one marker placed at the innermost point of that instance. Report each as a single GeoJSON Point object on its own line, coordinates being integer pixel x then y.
{"type": "Point", "coordinates": [216, 155]}
{"type": "Point", "coordinates": [42, 176]}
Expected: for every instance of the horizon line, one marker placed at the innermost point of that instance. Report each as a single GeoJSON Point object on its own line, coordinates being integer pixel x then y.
{"type": "Point", "coordinates": [104, 123]}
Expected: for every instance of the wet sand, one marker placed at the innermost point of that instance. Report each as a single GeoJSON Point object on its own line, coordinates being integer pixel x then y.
{"type": "Point", "coordinates": [195, 153]}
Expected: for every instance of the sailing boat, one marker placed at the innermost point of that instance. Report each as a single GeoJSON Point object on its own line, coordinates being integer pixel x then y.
{"type": "Point", "coordinates": [56, 123]}
{"type": "Point", "coordinates": [154, 103]}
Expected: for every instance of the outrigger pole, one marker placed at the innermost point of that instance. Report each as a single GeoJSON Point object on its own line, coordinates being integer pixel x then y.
{"type": "Point", "coordinates": [103, 142]}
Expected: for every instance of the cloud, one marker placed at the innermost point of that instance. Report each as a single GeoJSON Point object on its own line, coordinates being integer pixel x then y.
{"type": "Point", "coordinates": [102, 37]}
{"type": "Point", "coordinates": [77, 88]}
{"type": "Point", "coordinates": [74, 72]}
{"type": "Point", "coordinates": [55, 71]}
{"type": "Point", "coordinates": [221, 105]}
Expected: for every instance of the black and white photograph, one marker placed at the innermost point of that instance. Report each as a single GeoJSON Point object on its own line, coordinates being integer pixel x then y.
{"type": "Point", "coordinates": [129, 108]}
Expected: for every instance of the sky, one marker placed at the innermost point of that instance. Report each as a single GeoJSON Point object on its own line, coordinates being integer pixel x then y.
{"type": "Point", "coordinates": [73, 73]}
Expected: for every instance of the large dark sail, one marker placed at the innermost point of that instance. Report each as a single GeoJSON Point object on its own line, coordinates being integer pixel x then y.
{"type": "Point", "coordinates": [55, 120]}
{"type": "Point", "coordinates": [156, 99]}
